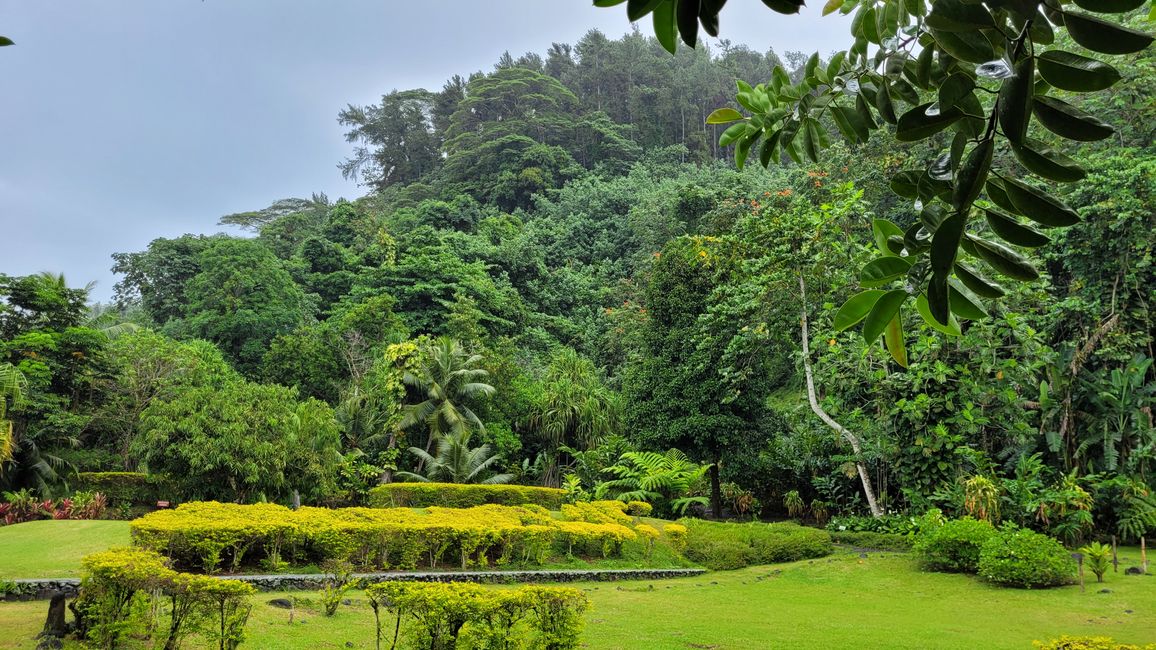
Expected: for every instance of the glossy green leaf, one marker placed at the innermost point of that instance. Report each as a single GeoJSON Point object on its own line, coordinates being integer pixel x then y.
{"type": "Point", "coordinates": [906, 183]}
{"type": "Point", "coordinates": [856, 308]}
{"type": "Point", "coordinates": [4, 40]}
{"type": "Point", "coordinates": [998, 195]}
{"type": "Point", "coordinates": [916, 124]}
{"type": "Point", "coordinates": [883, 270]}
{"type": "Point", "coordinates": [708, 12]}
{"type": "Point", "coordinates": [958, 16]}
{"type": "Point", "coordinates": [882, 230]}
{"type": "Point", "coordinates": [951, 328]}
{"type": "Point", "coordinates": [666, 26]}
{"type": "Point", "coordinates": [608, 3]}
{"type": "Point", "coordinates": [893, 339]}
{"type": "Point", "coordinates": [832, 6]}
{"type": "Point", "coordinates": [884, 106]}
{"type": "Point", "coordinates": [945, 245]}
{"type": "Point", "coordinates": [939, 300]}
{"type": "Point", "coordinates": [977, 283]}
{"type": "Point", "coordinates": [733, 132]}
{"type": "Point", "coordinates": [1012, 231]}
{"type": "Point", "coordinates": [884, 309]}
{"type": "Point", "coordinates": [1081, 74]}
{"type": "Point", "coordinates": [971, 46]}
{"type": "Point", "coordinates": [1004, 260]}
{"type": "Point", "coordinates": [972, 174]}
{"type": "Point", "coordinates": [1046, 162]}
{"type": "Point", "coordinates": [1110, 6]}
{"type": "Point", "coordinates": [784, 6]}
{"type": "Point", "coordinates": [1039, 206]}
{"type": "Point", "coordinates": [964, 305]}
{"type": "Point", "coordinates": [724, 116]}
{"type": "Point", "coordinates": [1066, 120]}
{"type": "Point", "coordinates": [954, 89]}
{"type": "Point", "coordinates": [1015, 100]}
{"type": "Point", "coordinates": [686, 16]}
{"type": "Point", "coordinates": [1105, 37]}
{"type": "Point", "coordinates": [637, 9]}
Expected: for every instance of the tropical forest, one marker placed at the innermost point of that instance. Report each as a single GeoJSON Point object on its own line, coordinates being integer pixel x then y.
{"type": "Point", "coordinates": [646, 341]}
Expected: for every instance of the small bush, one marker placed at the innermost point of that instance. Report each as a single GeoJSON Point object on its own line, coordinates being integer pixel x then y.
{"type": "Point", "coordinates": [881, 541]}
{"type": "Point", "coordinates": [954, 547]}
{"type": "Point", "coordinates": [455, 495]}
{"type": "Point", "coordinates": [443, 616]}
{"type": "Point", "coordinates": [1098, 556]}
{"type": "Point", "coordinates": [639, 509]}
{"type": "Point", "coordinates": [892, 524]}
{"type": "Point", "coordinates": [1025, 558]}
{"type": "Point", "coordinates": [1089, 643]}
{"type": "Point", "coordinates": [720, 546]}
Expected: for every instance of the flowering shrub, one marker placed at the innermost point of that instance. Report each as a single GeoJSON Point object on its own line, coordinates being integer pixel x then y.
{"type": "Point", "coordinates": [23, 506]}
{"type": "Point", "coordinates": [443, 616]}
{"type": "Point", "coordinates": [455, 495]}
{"type": "Point", "coordinates": [206, 535]}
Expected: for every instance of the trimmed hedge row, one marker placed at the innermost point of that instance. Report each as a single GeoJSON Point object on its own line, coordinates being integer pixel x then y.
{"type": "Point", "coordinates": [133, 488]}
{"type": "Point", "coordinates": [207, 534]}
{"type": "Point", "coordinates": [722, 546]}
{"type": "Point", "coordinates": [120, 587]}
{"type": "Point", "coordinates": [456, 495]}
{"type": "Point", "coordinates": [869, 540]}
{"type": "Point", "coordinates": [444, 616]}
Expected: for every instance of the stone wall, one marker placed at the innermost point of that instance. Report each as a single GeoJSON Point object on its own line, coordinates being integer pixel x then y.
{"type": "Point", "coordinates": [43, 589]}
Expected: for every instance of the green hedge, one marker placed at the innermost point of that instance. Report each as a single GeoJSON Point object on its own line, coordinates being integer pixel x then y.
{"type": "Point", "coordinates": [721, 546]}
{"type": "Point", "coordinates": [1027, 559]}
{"type": "Point", "coordinates": [954, 547]}
{"type": "Point", "coordinates": [207, 535]}
{"type": "Point", "coordinates": [133, 488]}
{"type": "Point", "coordinates": [444, 616]}
{"type": "Point", "coordinates": [880, 541]}
{"type": "Point", "coordinates": [457, 495]}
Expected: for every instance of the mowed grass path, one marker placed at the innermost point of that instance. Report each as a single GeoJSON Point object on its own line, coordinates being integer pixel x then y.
{"type": "Point", "coordinates": [53, 549]}
{"type": "Point", "coordinates": [883, 601]}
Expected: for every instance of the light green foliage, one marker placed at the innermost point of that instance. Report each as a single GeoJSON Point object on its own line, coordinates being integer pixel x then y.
{"type": "Point", "coordinates": [722, 546]}
{"type": "Point", "coordinates": [443, 616]}
{"type": "Point", "coordinates": [1098, 557]}
{"type": "Point", "coordinates": [453, 495]}
{"type": "Point", "coordinates": [456, 462]}
{"type": "Point", "coordinates": [955, 546]}
{"type": "Point", "coordinates": [1088, 643]}
{"type": "Point", "coordinates": [239, 442]}
{"type": "Point", "coordinates": [668, 480]}
{"type": "Point", "coordinates": [1026, 559]}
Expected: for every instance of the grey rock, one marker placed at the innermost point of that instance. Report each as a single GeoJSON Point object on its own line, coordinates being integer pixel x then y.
{"type": "Point", "coordinates": [283, 603]}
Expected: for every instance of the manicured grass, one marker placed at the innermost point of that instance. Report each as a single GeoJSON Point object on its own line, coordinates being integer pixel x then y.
{"type": "Point", "coordinates": [53, 549]}
{"type": "Point", "coordinates": [883, 601]}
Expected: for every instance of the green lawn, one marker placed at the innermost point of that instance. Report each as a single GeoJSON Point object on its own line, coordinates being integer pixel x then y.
{"type": "Point", "coordinates": [882, 601]}
{"type": "Point", "coordinates": [52, 549]}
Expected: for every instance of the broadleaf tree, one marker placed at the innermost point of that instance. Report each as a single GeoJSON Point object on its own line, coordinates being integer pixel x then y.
{"type": "Point", "coordinates": [972, 77]}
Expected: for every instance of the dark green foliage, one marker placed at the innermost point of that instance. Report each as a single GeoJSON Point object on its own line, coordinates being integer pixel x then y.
{"type": "Point", "coordinates": [721, 546]}
{"type": "Point", "coordinates": [868, 540]}
{"type": "Point", "coordinates": [453, 495]}
{"type": "Point", "coordinates": [1027, 559]}
{"type": "Point", "coordinates": [132, 488]}
{"type": "Point", "coordinates": [954, 546]}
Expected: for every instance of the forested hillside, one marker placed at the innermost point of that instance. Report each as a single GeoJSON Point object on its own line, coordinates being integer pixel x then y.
{"type": "Point", "coordinates": [555, 264]}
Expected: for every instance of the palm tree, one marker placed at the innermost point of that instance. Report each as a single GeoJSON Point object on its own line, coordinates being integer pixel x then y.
{"type": "Point", "coordinates": [456, 462]}
{"type": "Point", "coordinates": [575, 409]}
{"type": "Point", "coordinates": [448, 378]}
{"type": "Point", "coordinates": [13, 385]}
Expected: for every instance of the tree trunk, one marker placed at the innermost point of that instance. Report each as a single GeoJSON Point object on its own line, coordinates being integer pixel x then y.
{"type": "Point", "coordinates": [55, 626]}
{"type": "Point", "coordinates": [715, 492]}
{"type": "Point", "coordinates": [851, 438]}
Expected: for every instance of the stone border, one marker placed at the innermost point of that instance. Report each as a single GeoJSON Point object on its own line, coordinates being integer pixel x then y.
{"type": "Point", "coordinates": [44, 589]}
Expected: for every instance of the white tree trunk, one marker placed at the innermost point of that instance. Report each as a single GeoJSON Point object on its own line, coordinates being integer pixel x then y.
{"type": "Point", "coordinates": [851, 438]}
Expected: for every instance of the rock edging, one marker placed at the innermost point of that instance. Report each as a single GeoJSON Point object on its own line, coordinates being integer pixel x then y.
{"type": "Point", "coordinates": [45, 588]}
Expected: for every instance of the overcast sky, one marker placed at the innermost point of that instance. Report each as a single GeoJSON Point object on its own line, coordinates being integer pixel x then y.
{"type": "Point", "coordinates": [126, 120]}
